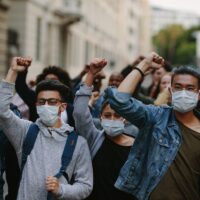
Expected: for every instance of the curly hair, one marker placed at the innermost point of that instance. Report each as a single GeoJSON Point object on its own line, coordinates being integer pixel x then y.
{"type": "Point", "coordinates": [62, 75]}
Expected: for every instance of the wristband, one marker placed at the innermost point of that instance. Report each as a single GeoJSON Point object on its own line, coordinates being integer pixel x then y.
{"type": "Point", "coordinates": [139, 70]}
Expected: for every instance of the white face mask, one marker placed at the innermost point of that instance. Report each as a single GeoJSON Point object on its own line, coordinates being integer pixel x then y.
{"type": "Point", "coordinates": [48, 114]}
{"type": "Point", "coordinates": [184, 101]}
{"type": "Point", "coordinates": [112, 127]}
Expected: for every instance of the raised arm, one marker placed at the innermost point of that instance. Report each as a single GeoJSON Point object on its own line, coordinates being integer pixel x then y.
{"type": "Point", "coordinates": [13, 127]}
{"type": "Point", "coordinates": [129, 84]}
{"type": "Point", "coordinates": [121, 101]}
{"type": "Point", "coordinates": [18, 64]}
{"type": "Point", "coordinates": [27, 94]}
{"type": "Point", "coordinates": [83, 119]}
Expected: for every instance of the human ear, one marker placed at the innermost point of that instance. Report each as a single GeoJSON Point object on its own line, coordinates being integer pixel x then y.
{"type": "Point", "coordinates": [63, 107]}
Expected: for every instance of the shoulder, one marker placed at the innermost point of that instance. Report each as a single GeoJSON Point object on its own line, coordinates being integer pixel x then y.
{"type": "Point", "coordinates": [81, 141]}
{"type": "Point", "coordinates": [81, 144]}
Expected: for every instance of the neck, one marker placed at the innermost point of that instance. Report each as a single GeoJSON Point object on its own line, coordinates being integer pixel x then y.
{"type": "Point", "coordinates": [188, 118]}
{"type": "Point", "coordinates": [58, 123]}
{"type": "Point", "coordinates": [122, 140]}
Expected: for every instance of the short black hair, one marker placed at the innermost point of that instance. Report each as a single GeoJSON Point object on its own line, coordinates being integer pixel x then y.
{"type": "Point", "coordinates": [186, 70]}
{"type": "Point", "coordinates": [53, 85]}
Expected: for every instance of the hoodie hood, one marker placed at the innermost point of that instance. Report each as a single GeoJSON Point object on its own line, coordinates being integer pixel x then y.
{"type": "Point", "coordinates": [59, 134]}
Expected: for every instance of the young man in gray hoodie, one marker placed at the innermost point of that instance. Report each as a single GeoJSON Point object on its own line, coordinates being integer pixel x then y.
{"type": "Point", "coordinates": [45, 158]}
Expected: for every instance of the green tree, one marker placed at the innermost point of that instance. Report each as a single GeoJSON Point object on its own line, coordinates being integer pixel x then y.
{"type": "Point", "coordinates": [176, 44]}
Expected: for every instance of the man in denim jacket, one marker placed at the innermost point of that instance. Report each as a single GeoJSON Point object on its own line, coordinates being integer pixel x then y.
{"type": "Point", "coordinates": [164, 162]}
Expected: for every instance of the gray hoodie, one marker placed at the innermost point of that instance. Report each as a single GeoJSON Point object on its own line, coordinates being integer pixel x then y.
{"type": "Point", "coordinates": [45, 158]}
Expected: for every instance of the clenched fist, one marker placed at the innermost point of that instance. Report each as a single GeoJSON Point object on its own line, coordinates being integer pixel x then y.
{"type": "Point", "coordinates": [52, 184]}
{"type": "Point", "coordinates": [97, 65]}
{"type": "Point", "coordinates": [19, 64]}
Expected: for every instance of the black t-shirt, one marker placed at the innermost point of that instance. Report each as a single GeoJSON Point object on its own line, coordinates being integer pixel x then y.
{"type": "Point", "coordinates": [107, 164]}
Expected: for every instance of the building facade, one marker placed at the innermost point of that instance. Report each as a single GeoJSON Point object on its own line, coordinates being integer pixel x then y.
{"type": "Point", "coordinates": [117, 30]}
{"type": "Point", "coordinates": [70, 33]}
{"type": "Point", "coordinates": [40, 26]}
{"type": "Point", "coordinates": [161, 18]}
{"type": "Point", "coordinates": [4, 7]}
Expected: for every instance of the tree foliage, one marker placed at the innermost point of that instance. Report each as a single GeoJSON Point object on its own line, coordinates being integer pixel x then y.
{"type": "Point", "coordinates": [176, 44]}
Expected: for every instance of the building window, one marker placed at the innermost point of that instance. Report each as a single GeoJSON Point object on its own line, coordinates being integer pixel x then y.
{"type": "Point", "coordinates": [38, 38]}
{"type": "Point", "coordinates": [130, 47]}
{"type": "Point", "coordinates": [131, 13]}
{"type": "Point", "coordinates": [131, 31]}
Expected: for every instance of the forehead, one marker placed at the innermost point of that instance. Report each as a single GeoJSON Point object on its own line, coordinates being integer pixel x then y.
{"type": "Point", "coordinates": [51, 77]}
{"type": "Point", "coordinates": [160, 71]}
{"type": "Point", "coordinates": [185, 80]}
{"type": "Point", "coordinates": [166, 78]}
{"type": "Point", "coordinates": [107, 108]}
{"type": "Point", "coordinates": [47, 94]}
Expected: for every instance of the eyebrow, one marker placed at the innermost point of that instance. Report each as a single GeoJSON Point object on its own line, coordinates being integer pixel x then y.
{"type": "Point", "coordinates": [188, 85]}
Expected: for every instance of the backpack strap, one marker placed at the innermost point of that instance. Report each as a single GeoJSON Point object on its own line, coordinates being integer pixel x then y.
{"type": "Point", "coordinates": [66, 157]}
{"type": "Point", "coordinates": [28, 144]}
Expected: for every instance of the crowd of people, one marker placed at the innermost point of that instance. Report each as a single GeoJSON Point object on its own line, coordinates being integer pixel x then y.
{"type": "Point", "coordinates": [63, 138]}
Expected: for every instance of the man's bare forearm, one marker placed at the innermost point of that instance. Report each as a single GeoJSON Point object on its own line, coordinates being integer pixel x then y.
{"type": "Point", "coordinates": [11, 76]}
{"type": "Point", "coordinates": [130, 83]}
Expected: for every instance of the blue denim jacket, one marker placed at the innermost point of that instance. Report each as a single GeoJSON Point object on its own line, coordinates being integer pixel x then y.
{"type": "Point", "coordinates": [155, 147]}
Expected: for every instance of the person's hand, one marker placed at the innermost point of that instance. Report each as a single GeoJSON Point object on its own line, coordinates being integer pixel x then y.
{"type": "Point", "coordinates": [100, 75]}
{"type": "Point", "coordinates": [93, 98]}
{"type": "Point", "coordinates": [138, 60]}
{"type": "Point", "coordinates": [151, 62]}
{"type": "Point", "coordinates": [97, 65]}
{"type": "Point", "coordinates": [19, 64]}
{"type": "Point", "coordinates": [52, 184]}
{"type": "Point", "coordinates": [86, 68]}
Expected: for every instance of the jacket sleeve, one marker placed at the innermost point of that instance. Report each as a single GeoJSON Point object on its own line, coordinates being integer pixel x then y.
{"type": "Point", "coordinates": [83, 177]}
{"type": "Point", "coordinates": [131, 109]}
{"type": "Point", "coordinates": [84, 122]}
{"type": "Point", "coordinates": [27, 94]}
{"type": "Point", "coordinates": [13, 127]}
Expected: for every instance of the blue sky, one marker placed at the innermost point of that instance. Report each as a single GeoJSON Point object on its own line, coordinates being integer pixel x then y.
{"type": "Point", "coordinates": [187, 5]}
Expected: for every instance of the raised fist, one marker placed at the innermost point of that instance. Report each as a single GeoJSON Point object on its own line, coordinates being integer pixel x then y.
{"type": "Point", "coordinates": [97, 65]}
{"type": "Point", "coordinates": [153, 61]}
{"type": "Point", "coordinates": [26, 62]}
{"type": "Point", "coordinates": [19, 64]}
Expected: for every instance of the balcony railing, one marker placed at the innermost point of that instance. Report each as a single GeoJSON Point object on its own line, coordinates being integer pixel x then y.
{"type": "Point", "coordinates": [69, 9]}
